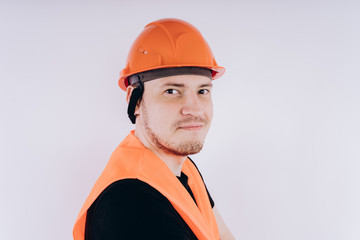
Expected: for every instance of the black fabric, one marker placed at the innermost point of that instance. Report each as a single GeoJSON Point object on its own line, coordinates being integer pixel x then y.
{"type": "Point", "coordinates": [132, 209]}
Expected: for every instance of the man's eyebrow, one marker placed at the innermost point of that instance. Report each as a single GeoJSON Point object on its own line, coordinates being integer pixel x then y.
{"type": "Point", "coordinates": [183, 85]}
{"type": "Point", "coordinates": [206, 85]}
{"type": "Point", "coordinates": [173, 85]}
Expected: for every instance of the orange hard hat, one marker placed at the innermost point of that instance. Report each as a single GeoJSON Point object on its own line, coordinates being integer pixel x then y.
{"type": "Point", "coordinates": [169, 43]}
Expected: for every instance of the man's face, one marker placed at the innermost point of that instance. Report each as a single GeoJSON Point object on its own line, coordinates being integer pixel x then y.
{"type": "Point", "coordinates": [175, 113]}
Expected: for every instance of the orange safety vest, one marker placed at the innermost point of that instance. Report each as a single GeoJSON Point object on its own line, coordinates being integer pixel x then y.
{"type": "Point", "coordinates": [132, 160]}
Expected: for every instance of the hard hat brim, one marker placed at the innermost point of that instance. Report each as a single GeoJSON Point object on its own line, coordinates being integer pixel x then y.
{"type": "Point", "coordinates": [123, 83]}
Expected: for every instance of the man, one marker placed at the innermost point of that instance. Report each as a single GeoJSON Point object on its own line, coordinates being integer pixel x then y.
{"type": "Point", "coordinates": [150, 189]}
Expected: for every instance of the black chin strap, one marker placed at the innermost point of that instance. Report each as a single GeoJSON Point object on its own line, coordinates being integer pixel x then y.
{"type": "Point", "coordinates": [135, 96]}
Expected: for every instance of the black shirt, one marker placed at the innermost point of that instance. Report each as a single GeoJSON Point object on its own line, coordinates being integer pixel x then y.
{"type": "Point", "coordinates": [132, 209]}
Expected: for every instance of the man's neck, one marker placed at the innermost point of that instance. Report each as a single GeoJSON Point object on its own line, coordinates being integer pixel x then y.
{"type": "Point", "coordinates": [173, 161]}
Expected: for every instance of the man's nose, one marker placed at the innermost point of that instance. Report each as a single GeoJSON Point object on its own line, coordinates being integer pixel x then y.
{"type": "Point", "coordinates": [192, 105]}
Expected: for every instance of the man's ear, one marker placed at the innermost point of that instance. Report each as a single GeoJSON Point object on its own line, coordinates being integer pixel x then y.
{"type": "Point", "coordinates": [129, 92]}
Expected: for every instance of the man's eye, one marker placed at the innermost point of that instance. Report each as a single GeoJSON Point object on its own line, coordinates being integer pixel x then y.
{"type": "Point", "coordinates": [171, 91]}
{"type": "Point", "coordinates": [204, 91]}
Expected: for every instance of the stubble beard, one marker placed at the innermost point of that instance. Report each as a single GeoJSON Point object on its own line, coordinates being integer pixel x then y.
{"type": "Point", "coordinates": [181, 149]}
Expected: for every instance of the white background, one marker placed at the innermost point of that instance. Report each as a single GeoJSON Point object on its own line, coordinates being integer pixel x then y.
{"type": "Point", "coordinates": [282, 159]}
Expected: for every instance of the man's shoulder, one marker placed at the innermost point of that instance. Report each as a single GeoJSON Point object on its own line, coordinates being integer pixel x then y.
{"type": "Point", "coordinates": [130, 192]}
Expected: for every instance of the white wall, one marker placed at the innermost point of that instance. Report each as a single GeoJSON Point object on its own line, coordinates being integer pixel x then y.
{"type": "Point", "coordinates": [282, 159]}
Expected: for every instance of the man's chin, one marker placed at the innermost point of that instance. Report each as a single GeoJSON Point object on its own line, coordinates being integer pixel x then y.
{"type": "Point", "coordinates": [187, 148]}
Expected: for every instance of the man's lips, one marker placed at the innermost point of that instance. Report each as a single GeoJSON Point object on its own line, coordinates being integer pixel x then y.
{"type": "Point", "coordinates": [191, 123]}
{"type": "Point", "coordinates": [195, 126]}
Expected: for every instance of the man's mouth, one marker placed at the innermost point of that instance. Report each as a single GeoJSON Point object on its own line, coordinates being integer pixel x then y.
{"type": "Point", "coordinates": [191, 124]}
{"type": "Point", "coordinates": [195, 126]}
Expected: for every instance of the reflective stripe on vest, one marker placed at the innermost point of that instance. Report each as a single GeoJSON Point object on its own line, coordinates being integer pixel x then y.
{"type": "Point", "coordinates": [132, 160]}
